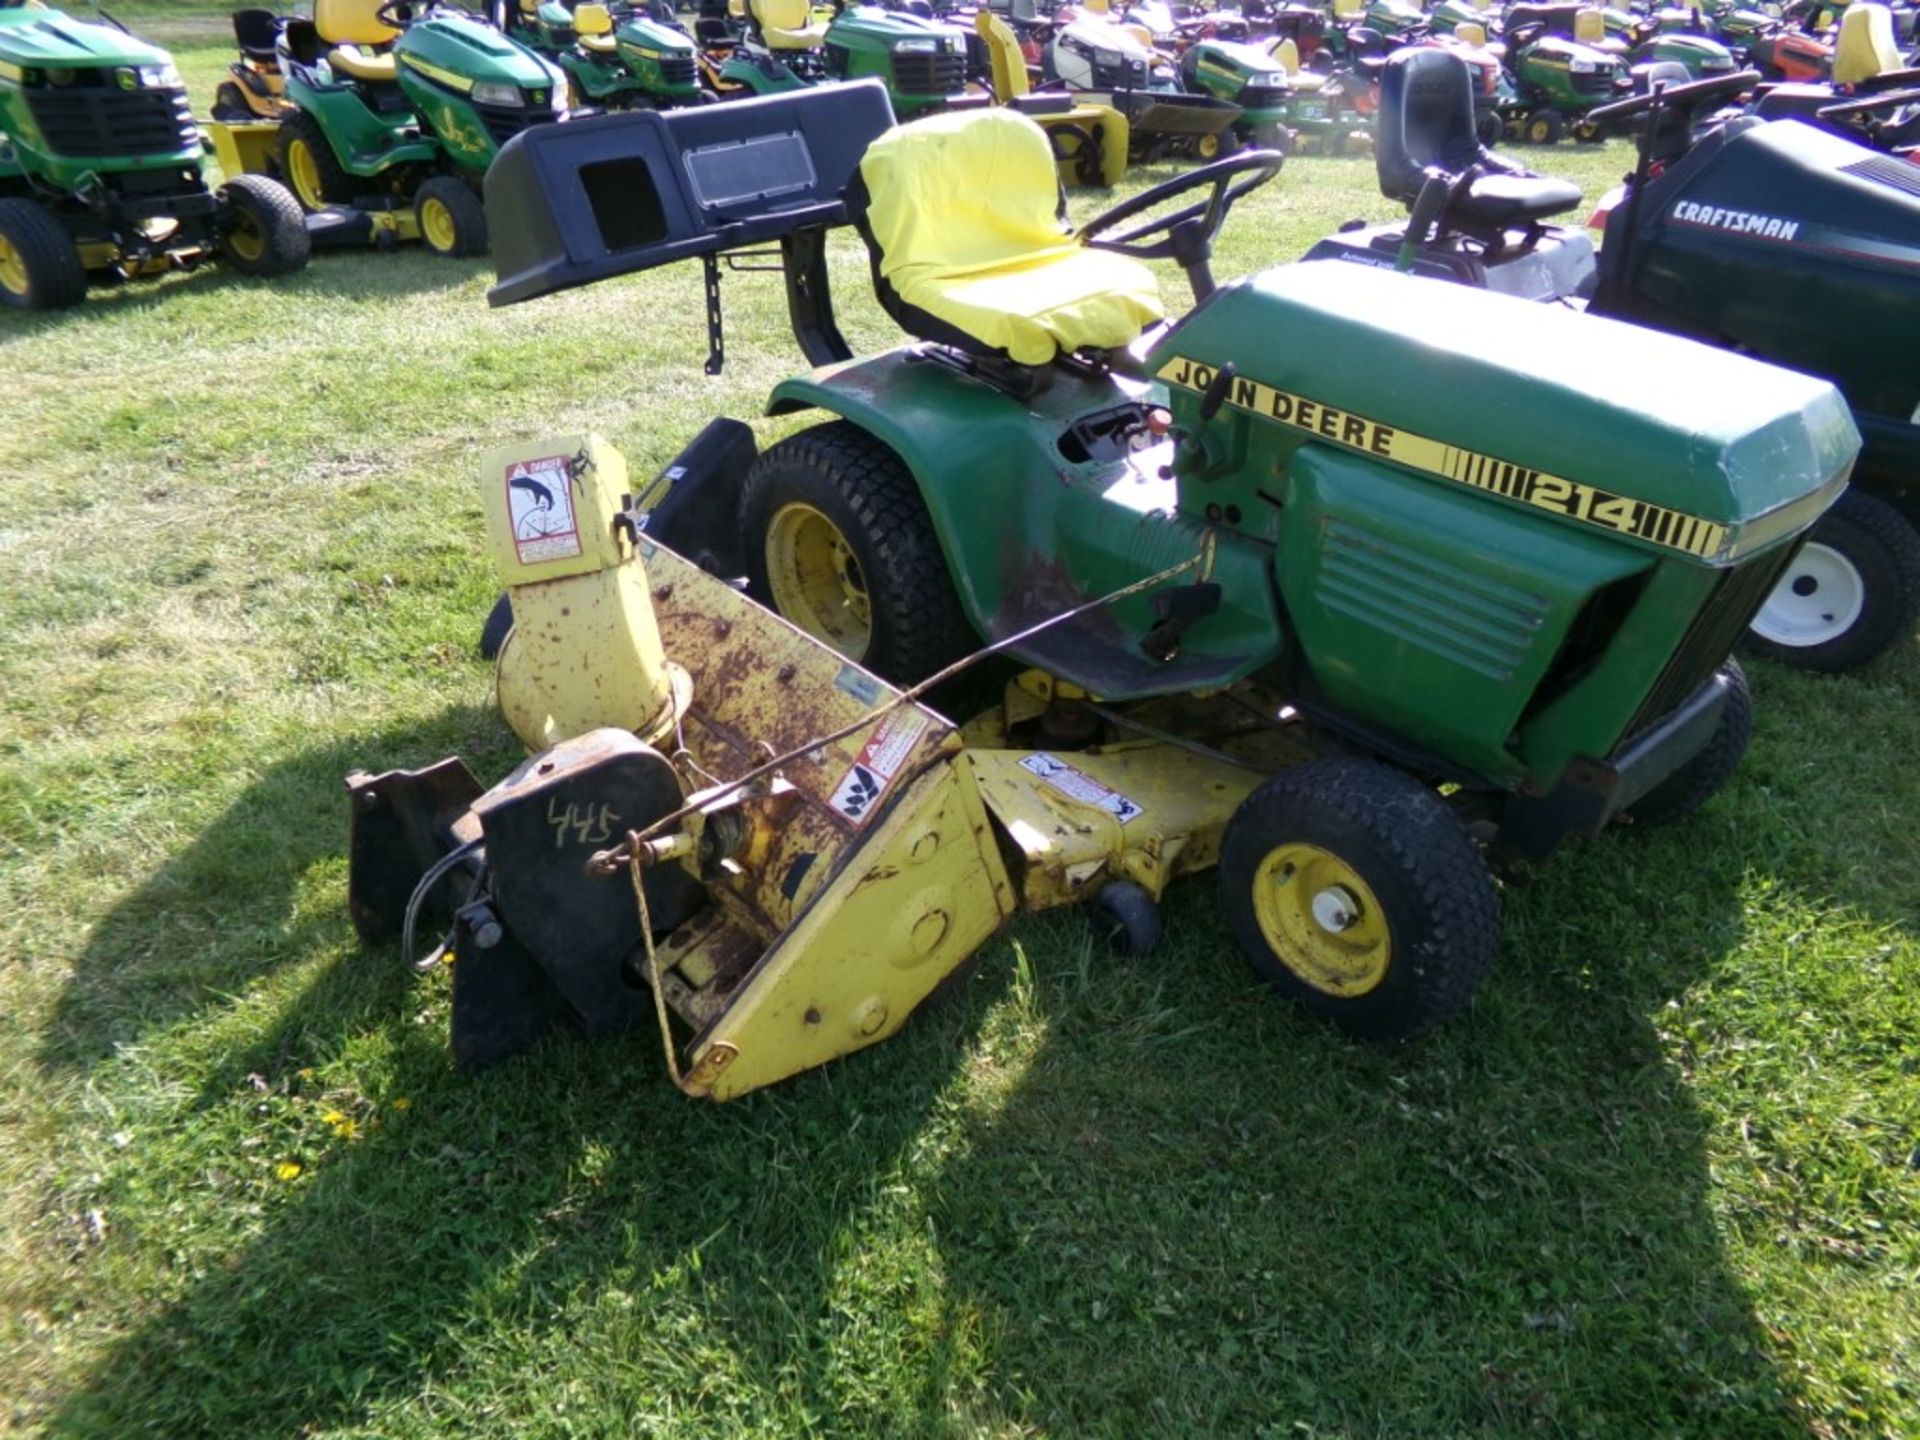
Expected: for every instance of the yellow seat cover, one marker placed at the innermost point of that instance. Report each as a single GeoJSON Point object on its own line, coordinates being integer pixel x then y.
{"type": "Point", "coordinates": [1866, 47]}
{"type": "Point", "coordinates": [788, 24]}
{"type": "Point", "coordinates": [352, 22]}
{"type": "Point", "coordinates": [351, 60]}
{"type": "Point", "coordinates": [964, 212]}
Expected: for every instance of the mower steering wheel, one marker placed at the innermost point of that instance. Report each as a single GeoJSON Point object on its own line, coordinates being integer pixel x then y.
{"type": "Point", "coordinates": [1186, 235]}
{"type": "Point", "coordinates": [1677, 96]}
{"type": "Point", "coordinates": [396, 14]}
{"type": "Point", "coordinates": [1887, 100]}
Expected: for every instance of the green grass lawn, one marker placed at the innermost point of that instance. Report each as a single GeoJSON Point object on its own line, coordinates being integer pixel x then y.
{"type": "Point", "coordinates": [1663, 1180]}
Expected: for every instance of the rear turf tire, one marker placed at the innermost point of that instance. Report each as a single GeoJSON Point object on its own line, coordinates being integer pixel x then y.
{"type": "Point", "coordinates": [40, 266]}
{"type": "Point", "coordinates": [313, 172]}
{"type": "Point", "coordinates": [1706, 774]}
{"type": "Point", "coordinates": [1850, 595]}
{"type": "Point", "coordinates": [1353, 889]}
{"type": "Point", "coordinates": [267, 234]}
{"type": "Point", "coordinates": [894, 609]}
{"type": "Point", "coordinates": [453, 222]}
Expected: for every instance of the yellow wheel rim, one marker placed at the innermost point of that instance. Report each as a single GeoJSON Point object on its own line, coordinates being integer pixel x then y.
{"type": "Point", "coordinates": [246, 239]}
{"type": "Point", "coordinates": [1538, 132]}
{"type": "Point", "coordinates": [816, 579]}
{"type": "Point", "coordinates": [13, 268]}
{"type": "Point", "coordinates": [1321, 920]}
{"type": "Point", "coordinates": [303, 173]}
{"type": "Point", "coordinates": [1208, 147]}
{"type": "Point", "coordinates": [436, 224]}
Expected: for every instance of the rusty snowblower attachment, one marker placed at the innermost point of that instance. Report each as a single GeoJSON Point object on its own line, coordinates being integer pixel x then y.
{"type": "Point", "coordinates": [723, 821]}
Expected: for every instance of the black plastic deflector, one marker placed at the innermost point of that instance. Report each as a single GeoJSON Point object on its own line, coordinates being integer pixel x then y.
{"type": "Point", "coordinates": [573, 203]}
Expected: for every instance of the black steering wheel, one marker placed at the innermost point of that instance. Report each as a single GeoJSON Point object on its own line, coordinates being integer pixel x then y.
{"type": "Point", "coordinates": [1675, 97]}
{"type": "Point", "coordinates": [1186, 235]}
{"type": "Point", "coordinates": [1888, 100]}
{"type": "Point", "coordinates": [399, 14]}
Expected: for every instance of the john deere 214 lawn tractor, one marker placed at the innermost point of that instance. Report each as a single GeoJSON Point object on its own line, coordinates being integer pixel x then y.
{"type": "Point", "coordinates": [1350, 585]}
{"type": "Point", "coordinates": [101, 169]}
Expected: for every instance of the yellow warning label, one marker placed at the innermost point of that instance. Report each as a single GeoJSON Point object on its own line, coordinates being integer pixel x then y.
{"type": "Point", "coordinates": [1639, 518]}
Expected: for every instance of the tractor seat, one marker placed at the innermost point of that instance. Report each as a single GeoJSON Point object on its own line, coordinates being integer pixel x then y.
{"type": "Point", "coordinates": [966, 228]}
{"type": "Point", "coordinates": [593, 28]}
{"type": "Point", "coordinates": [1866, 48]}
{"type": "Point", "coordinates": [1426, 123]}
{"type": "Point", "coordinates": [788, 24]}
{"type": "Point", "coordinates": [351, 60]}
{"type": "Point", "coordinates": [349, 26]}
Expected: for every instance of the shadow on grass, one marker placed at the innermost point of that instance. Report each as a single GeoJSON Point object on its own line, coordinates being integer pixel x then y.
{"type": "Point", "coordinates": [1090, 1196]}
{"type": "Point", "coordinates": [227, 909]}
{"type": "Point", "coordinates": [336, 273]}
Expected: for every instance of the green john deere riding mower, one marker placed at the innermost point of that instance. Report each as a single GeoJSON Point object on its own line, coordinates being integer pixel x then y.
{"type": "Point", "coordinates": [101, 169]}
{"type": "Point", "coordinates": [616, 56]}
{"type": "Point", "coordinates": [1557, 79]}
{"type": "Point", "coordinates": [922, 63]}
{"type": "Point", "coordinates": [1249, 76]}
{"type": "Point", "coordinates": [399, 110]}
{"type": "Point", "coordinates": [1348, 584]}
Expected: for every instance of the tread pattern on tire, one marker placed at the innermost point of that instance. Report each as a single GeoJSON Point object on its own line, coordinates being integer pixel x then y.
{"type": "Point", "coordinates": [287, 244]}
{"type": "Point", "coordinates": [1701, 778]}
{"type": "Point", "coordinates": [1424, 845]}
{"type": "Point", "coordinates": [918, 626]}
{"type": "Point", "coordinates": [336, 186]}
{"type": "Point", "coordinates": [470, 237]}
{"type": "Point", "coordinates": [56, 277]}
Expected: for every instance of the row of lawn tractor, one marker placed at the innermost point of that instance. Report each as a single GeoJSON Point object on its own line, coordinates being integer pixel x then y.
{"type": "Point", "coordinates": [1540, 69]}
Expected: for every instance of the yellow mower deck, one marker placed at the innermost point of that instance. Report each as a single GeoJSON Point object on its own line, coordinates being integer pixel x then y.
{"type": "Point", "coordinates": [841, 887]}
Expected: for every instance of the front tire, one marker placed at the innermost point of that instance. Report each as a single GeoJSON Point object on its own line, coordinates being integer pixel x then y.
{"type": "Point", "coordinates": [40, 266]}
{"type": "Point", "coordinates": [838, 541]}
{"type": "Point", "coordinates": [1353, 889]}
{"type": "Point", "coordinates": [1545, 127]}
{"type": "Point", "coordinates": [266, 234]}
{"type": "Point", "coordinates": [453, 222]}
{"type": "Point", "coordinates": [1850, 595]}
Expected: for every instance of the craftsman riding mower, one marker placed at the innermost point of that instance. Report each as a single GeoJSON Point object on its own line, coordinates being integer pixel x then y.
{"type": "Point", "coordinates": [1344, 583]}
{"type": "Point", "coordinates": [1772, 239]}
{"type": "Point", "coordinates": [256, 83]}
{"type": "Point", "coordinates": [101, 169]}
{"type": "Point", "coordinates": [399, 109]}
{"type": "Point", "coordinates": [615, 56]}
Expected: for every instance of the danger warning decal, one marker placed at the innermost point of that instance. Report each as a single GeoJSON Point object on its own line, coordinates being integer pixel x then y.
{"type": "Point", "coordinates": [860, 790]}
{"type": "Point", "coordinates": [1639, 518]}
{"type": "Point", "coordinates": [540, 505]}
{"type": "Point", "coordinates": [1080, 786]}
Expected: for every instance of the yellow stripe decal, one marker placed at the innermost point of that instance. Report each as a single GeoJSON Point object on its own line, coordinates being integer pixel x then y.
{"type": "Point", "coordinates": [434, 72]}
{"type": "Point", "coordinates": [1639, 518]}
{"type": "Point", "coordinates": [10, 71]}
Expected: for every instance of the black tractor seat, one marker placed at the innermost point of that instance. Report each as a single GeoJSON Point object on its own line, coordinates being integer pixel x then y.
{"type": "Point", "coordinates": [1426, 125]}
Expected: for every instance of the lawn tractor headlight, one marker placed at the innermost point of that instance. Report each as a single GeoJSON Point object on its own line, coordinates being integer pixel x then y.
{"type": "Point", "coordinates": [490, 92]}
{"type": "Point", "coordinates": [1586, 67]}
{"type": "Point", "coordinates": [158, 77]}
{"type": "Point", "coordinates": [924, 45]}
{"type": "Point", "coordinates": [1717, 63]}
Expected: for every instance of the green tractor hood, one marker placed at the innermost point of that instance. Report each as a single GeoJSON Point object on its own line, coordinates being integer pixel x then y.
{"type": "Point", "coordinates": [1590, 423]}
{"type": "Point", "coordinates": [47, 39]}
{"type": "Point", "coordinates": [891, 27]}
{"type": "Point", "coordinates": [461, 54]}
